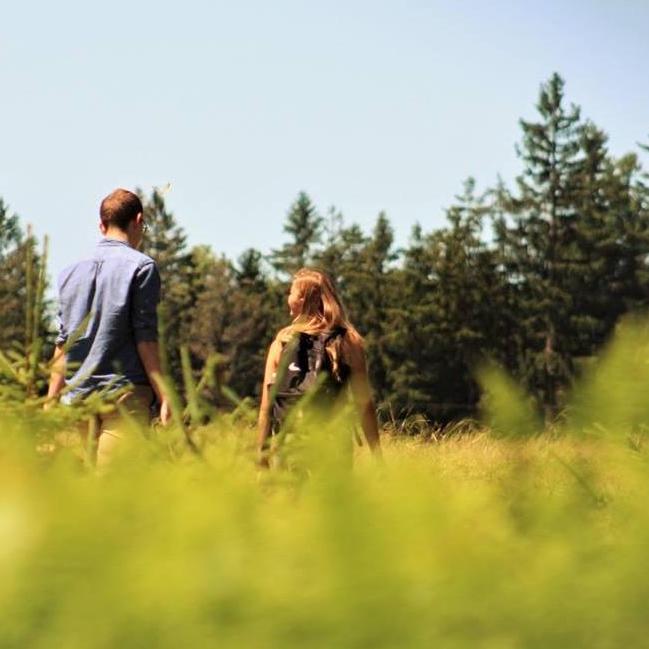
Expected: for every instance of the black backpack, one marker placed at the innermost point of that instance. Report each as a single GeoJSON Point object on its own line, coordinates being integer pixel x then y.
{"type": "Point", "coordinates": [304, 367]}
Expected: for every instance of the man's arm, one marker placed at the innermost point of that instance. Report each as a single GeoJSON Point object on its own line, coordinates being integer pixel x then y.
{"type": "Point", "coordinates": [144, 319]}
{"type": "Point", "coordinates": [57, 376]}
{"type": "Point", "coordinates": [149, 354]}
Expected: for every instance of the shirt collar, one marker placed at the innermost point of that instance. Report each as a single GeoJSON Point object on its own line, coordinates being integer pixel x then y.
{"type": "Point", "coordinates": [109, 241]}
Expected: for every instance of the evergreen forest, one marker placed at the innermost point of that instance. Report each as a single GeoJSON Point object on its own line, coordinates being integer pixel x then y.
{"type": "Point", "coordinates": [532, 274]}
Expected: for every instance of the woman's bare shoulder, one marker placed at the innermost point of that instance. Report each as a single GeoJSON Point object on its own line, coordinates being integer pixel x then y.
{"type": "Point", "coordinates": [354, 349]}
{"type": "Point", "coordinates": [275, 347]}
{"type": "Point", "coordinates": [284, 335]}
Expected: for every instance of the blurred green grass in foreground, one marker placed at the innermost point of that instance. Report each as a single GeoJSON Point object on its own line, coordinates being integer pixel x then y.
{"type": "Point", "coordinates": [510, 536]}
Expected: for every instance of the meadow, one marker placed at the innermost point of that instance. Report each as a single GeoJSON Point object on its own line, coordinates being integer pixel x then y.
{"type": "Point", "coordinates": [499, 534]}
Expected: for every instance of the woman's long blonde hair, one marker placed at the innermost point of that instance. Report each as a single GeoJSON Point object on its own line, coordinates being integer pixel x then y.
{"type": "Point", "coordinates": [322, 311]}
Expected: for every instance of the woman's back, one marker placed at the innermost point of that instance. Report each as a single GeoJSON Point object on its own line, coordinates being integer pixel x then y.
{"type": "Point", "coordinates": [306, 368]}
{"type": "Point", "coordinates": [313, 359]}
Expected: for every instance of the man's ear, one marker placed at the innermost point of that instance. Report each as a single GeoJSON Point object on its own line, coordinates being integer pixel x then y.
{"type": "Point", "coordinates": [139, 218]}
{"type": "Point", "coordinates": [102, 228]}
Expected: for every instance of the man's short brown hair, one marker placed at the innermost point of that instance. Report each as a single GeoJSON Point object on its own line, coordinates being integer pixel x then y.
{"type": "Point", "coordinates": [119, 208]}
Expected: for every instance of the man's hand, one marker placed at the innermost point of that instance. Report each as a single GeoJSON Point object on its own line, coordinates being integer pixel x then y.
{"type": "Point", "coordinates": [57, 377]}
{"type": "Point", "coordinates": [49, 403]}
{"type": "Point", "coordinates": [149, 355]}
{"type": "Point", "coordinates": [165, 412]}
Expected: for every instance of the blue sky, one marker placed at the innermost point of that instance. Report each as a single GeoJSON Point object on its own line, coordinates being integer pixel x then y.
{"type": "Point", "coordinates": [367, 106]}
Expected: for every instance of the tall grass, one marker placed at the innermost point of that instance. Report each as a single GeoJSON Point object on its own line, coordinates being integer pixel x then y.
{"type": "Point", "coordinates": [468, 542]}
{"type": "Point", "coordinates": [506, 536]}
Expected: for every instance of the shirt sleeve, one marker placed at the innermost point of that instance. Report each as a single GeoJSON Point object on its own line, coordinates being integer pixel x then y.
{"type": "Point", "coordinates": [62, 333]}
{"type": "Point", "coordinates": [61, 329]}
{"type": "Point", "coordinates": [145, 299]}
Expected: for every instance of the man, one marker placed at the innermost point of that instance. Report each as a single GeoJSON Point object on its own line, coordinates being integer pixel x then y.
{"type": "Point", "coordinates": [108, 338]}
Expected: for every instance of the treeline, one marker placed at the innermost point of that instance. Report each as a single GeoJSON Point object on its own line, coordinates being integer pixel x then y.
{"type": "Point", "coordinates": [532, 275]}
{"type": "Point", "coordinates": [24, 318]}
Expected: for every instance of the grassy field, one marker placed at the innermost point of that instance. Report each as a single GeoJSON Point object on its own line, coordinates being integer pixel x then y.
{"type": "Point", "coordinates": [508, 536]}
{"type": "Point", "coordinates": [471, 541]}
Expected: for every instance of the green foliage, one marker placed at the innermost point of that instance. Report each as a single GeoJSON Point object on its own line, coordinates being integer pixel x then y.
{"type": "Point", "coordinates": [25, 331]}
{"type": "Point", "coordinates": [304, 225]}
{"type": "Point", "coordinates": [612, 398]}
{"type": "Point", "coordinates": [539, 247]}
{"type": "Point", "coordinates": [476, 541]}
{"type": "Point", "coordinates": [452, 306]}
{"type": "Point", "coordinates": [573, 242]}
{"type": "Point", "coordinates": [235, 316]}
{"type": "Point", "coordinates": [506, 408]}
{"type": "Point", "coordinates": [166, 243]}
{"type": "Point", "coordinates": [10, 233]}
{"type": "Point", "coordinates": [534, 276]}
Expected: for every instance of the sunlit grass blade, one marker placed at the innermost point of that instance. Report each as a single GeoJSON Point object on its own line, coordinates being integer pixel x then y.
{"type": "Point", "coordinates": [507, 409]}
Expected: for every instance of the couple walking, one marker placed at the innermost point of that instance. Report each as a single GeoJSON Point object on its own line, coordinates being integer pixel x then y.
{"type": "Point", "coordinates": [108, 339]}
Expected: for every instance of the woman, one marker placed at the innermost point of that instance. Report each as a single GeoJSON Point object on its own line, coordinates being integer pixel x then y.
{"type": "Point", "coordinates": [320, 351]}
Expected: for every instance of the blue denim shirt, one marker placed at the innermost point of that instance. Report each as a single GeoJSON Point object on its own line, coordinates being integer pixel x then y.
{"type": "Point", "coordinates": [108, 304]}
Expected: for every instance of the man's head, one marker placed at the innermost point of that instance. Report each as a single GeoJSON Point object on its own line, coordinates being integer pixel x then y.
{"type": "Point", "coordinates": [121, 214]}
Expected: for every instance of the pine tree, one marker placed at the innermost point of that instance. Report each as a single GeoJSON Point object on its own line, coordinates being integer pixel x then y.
{"type": "Point", "coordinates": [166, 243]}
{"type": "Point", "coordinates": [451, 313]}
{"type": "Point", "coordinates": [629, 213]}
{"type": "Point", "coordinates": [415, 361]}
{"type": "Point", "coordinates": [249, 272]}
{"type": "Point", "coordinates": [25, 327]}
{"type": "Point", "coordinates": [539, 247]}
{"type": "Point", "coordinates": [329, 256]}
{"type": "Point", "coordinates": [10, 233]}
{"type": "Point", "coordinates": [304, 225]}
{"type": "Point", "coordinates": [362, 270]}
{"type": "Point", "coordinates": [12, 287]}
{"type": "Point", "coordinates": [378, 294]}
{"type": "Point", "coordinates": [211, 315]}
{"type": "Point", "coordinates": [24, 312]}
{"type": "Point", "coordinates": [599, 291]}
{"type": "Point", "coordinates": [343, 259]}
{"type": "Point", "coordinates": [364, 278]}
{"type": "Point", "coordinates": [254, 319]}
